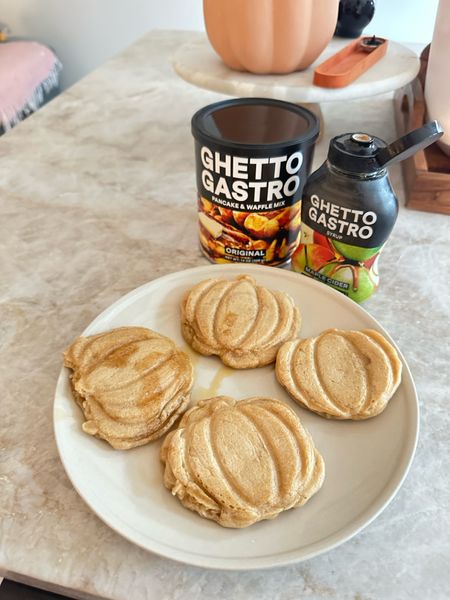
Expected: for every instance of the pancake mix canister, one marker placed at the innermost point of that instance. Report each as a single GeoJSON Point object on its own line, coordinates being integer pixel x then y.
{"type": "Point", "coordinates": [252, 157]}
{"type": "Point", "coordinates": [349, 210]}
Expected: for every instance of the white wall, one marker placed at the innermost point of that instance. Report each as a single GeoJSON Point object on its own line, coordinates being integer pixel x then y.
{"type": "Point", "coordinates": [404, 20]}
{"type": "Point", "coordinates": [84, 33]}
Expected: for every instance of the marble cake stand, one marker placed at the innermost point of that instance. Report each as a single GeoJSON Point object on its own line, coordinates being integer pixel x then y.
{"type": "Point", "coordinates": [197, 63]}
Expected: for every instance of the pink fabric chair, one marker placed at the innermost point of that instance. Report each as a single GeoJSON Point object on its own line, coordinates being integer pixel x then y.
{"type": "Point", "coordinates": [28, 72]}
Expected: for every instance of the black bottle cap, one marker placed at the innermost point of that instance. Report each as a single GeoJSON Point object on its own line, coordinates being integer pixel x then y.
{"type": "Point", "coordinates": [361, 153]}
{"type": "Point", "coordinates": [355, 152]}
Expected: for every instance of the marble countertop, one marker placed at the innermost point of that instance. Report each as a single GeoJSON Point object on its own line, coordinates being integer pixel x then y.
{"type": "Point", "coordinates": [97, 196]}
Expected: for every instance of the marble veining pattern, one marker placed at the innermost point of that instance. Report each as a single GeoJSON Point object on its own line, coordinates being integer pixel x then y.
{"type": "Point", "coordinates": [97, 196]}
{"type": "Point", "coordinates": [197, 62]}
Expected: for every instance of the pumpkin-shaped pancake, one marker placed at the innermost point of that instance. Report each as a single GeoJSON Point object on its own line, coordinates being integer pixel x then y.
{"type": "Point", "coordinates": [241, 322]}
{"type": "Point", "coordinates": [240, 462]}
{"type": "Point", "coordinates": [340, 374]}
{"type": "Point", "coordinates": [131, 384]}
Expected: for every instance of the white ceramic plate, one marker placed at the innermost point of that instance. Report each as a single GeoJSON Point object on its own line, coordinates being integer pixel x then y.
{"type": "Point", "coordinates": [366, 462]}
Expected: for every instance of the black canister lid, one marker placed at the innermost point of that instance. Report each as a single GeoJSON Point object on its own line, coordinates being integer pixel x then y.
{"type": "Point", "coordinates": [355, 152]}
{"type": "Point", "coordinates": [255, 123]}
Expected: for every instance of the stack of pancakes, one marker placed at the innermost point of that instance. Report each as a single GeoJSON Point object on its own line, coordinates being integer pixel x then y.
{"type": "Point", "coordinates": [340, 374]}
{"type": "Point", "coordinates": [239, 321]}
{"type": "Point", "coordinates": [240, 462]}
{"type": "Point", "coordinates": [131, 384]}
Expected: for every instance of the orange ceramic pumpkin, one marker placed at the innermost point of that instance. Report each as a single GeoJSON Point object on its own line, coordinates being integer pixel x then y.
{"type": "Point", "coordinates": [270, 36]}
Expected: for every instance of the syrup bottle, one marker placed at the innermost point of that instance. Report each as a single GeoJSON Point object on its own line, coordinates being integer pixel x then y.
{"type": "Point", "coordinates": [349, 209]}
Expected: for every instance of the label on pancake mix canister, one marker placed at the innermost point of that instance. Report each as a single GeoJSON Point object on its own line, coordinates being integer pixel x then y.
{"type": "Point", "coordinates": [249, 206]}
{"type": "Point", "coordinates": [253, 156]}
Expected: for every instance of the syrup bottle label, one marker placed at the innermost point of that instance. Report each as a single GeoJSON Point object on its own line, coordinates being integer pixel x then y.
{"type": "Point", "coordinates": [350, 269]}
{"type": "Point", "coordinates": [340, 246]}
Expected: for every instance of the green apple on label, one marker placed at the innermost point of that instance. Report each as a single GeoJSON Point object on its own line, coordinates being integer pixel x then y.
{"type": "Point", "coordinates": [361, 283]}
{"type": "Point", "coordinates": [355, 252]}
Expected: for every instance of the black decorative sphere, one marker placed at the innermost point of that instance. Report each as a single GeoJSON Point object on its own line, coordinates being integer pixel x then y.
{"type": "Point", "coordinates": [353, 17]}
